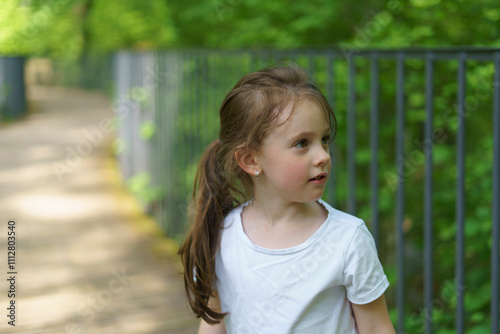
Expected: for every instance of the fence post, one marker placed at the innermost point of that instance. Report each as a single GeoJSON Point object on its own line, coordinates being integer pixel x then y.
{"type": "Point", "coordinates": [460, 201]}
{"type": "Point", "coordinates": [495, 256]}
{"type": "Point", "coordinates": [12, 90]}
{"type": "Point", "coordinates": [429, 192]}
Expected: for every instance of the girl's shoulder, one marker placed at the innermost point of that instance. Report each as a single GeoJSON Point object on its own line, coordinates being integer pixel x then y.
{"type": "Point", "coordinates": [234, 214]}
{"type": "Point", "coordinates": [341, 217]}
{"type": "Point", "coordinates": [345, 229]}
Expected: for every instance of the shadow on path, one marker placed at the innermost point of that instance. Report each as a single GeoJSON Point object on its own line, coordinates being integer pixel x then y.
{"type": "Point", "coordinates": [82, 267]}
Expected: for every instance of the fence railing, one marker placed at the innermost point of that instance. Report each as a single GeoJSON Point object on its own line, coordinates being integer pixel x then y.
{"type": "Point", "coordinates": [417, 156]}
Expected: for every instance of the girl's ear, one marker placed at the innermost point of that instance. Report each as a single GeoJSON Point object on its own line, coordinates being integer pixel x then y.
{"type": "Point", "coordinates": [247, 160]}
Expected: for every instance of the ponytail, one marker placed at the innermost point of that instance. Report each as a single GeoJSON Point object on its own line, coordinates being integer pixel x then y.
{"type": "Point", "coordinates": [212, 201]}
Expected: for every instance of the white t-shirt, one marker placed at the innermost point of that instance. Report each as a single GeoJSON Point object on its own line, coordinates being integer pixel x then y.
{"type": "Point", "coordinates": [302, 289]}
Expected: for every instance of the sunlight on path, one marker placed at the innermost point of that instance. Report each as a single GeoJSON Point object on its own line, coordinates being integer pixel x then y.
{"type": "Point", "coordinates": [82, 266]}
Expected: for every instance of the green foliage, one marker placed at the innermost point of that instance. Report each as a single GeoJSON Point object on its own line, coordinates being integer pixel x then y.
{"type": "Point", "coordinates": [147, 130]}
{"type": "Point", "coordinates": [69, 28]}
{"type": "Point", "coordinates": [130, 24]}
{"type": "Point", "coordinates": [140, 185]}
{"type": "Point", "coordinates": [39, 28]}
{"type": "Point", "coordinates": [12, 25]}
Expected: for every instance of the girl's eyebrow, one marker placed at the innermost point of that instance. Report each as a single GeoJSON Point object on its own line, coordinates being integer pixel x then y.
{"type": "Point", "coordinates": [303, 134]}
{"type": "Point", "coordinates": [309, 133]}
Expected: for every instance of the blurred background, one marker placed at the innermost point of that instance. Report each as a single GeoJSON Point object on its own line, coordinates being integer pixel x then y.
{"type": "Point", "coordinates": [414, 84]}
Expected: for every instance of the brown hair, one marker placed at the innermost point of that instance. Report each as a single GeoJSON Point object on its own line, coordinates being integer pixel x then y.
{"type": "Point", "coordinates": [247, 115]}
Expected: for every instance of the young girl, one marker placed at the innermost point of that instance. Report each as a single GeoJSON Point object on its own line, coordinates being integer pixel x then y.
{"type": "Point", "coordinates": [265, 254]}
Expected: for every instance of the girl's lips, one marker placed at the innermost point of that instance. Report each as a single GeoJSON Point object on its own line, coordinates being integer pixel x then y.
{"type": "Point", "coordinates": [319, 179]}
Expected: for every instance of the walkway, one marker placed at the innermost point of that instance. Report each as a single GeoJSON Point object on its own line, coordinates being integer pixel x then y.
{"type": "Point", "coordinates": [83, 265]}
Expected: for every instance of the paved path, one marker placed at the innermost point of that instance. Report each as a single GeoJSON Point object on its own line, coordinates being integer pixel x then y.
{"type": "Point", "coordinates": [83, 265]}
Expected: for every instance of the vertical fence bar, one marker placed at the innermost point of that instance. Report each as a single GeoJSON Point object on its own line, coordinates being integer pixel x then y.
{"type": "Point", "coordinates": [150, 146]}
{"type": "Point", "coordinates": [134, 117]}
{"type": "Point", "coordinates": [351, 137]}
{"type": "Point", "coordinates": [160, 132]}
{"type": "Point", "coordinates": [460, 202]}
{"type": "Point", "coordinates": [428, 205]}
{"type": "Point", "coordinates": [204, 107]}
{"type": "Point", "coordinates": [179, 104]}
{"type": "Point", "coordinates": [311, 66]}
{"type": "Point", "coordinates": [374, 127]}
{"type": "Point", "coordinates": [193, 113]}
{"type": "Point", "coordinates": [120, 60]}
{"type": "Point", "coordinates": [264, 59]}
{"type": "Point", "coordinates": [251, 62]}
{"type": "Point", "coordinates": [495, 257]}
{"type": "Point", "coordinates": [400, 91]}
{"type": "Point", "coordinates": [330, 95]}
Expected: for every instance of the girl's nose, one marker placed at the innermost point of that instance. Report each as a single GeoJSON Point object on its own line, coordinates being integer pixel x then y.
{"type": "Point", "coordinates": [323, 156]}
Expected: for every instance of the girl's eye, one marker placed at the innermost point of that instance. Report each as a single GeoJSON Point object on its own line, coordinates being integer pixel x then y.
{"type": "Point", "coordinates": [326, 139]}
{"type": "Point", "coordinates": [301, 144]}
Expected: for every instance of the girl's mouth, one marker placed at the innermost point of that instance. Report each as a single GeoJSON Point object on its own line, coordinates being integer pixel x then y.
{"type": "Point", "coordinates": [319, 179]}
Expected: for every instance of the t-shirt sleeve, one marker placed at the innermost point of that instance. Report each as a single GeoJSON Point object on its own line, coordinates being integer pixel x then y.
{"type": "Point", "coordinates": [364, 276]}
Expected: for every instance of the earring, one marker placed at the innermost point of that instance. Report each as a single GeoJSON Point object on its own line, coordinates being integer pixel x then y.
{"type": "Point", "coordinates": [257, 174]}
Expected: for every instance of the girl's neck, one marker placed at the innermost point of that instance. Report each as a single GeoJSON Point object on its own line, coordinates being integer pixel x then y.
{"type": "Point", "coordinates": [270, 225]}
{"type": "Point", "coordinates": [275, 211]}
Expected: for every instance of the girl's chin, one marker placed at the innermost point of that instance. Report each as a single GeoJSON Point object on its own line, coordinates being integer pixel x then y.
{"type": "Point", "coordinates": [314, 198]}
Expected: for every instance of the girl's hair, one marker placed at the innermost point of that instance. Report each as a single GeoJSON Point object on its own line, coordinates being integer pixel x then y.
{"type": "Point", "coordinates": [247, 115]}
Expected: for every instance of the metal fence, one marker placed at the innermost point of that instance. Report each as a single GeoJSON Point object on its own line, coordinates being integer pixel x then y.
{"type": "Point", "coordinates": [12, 90]}
{"type": "Point", "coordinates": [90, 71]}
{"type": "Point", "coordinates": [401, 159]}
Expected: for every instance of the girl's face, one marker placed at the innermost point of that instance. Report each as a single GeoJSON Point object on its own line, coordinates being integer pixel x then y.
{"type": "Point", "coordinates": [295, 158]}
